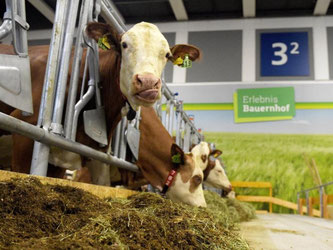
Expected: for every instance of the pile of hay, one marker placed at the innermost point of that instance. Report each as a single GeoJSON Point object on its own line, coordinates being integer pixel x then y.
{"type": "Point", "coordinates": [36, 216]}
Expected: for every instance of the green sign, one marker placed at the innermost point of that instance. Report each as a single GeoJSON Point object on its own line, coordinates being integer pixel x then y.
{"type": "Point", "coordinates": [264, 104]}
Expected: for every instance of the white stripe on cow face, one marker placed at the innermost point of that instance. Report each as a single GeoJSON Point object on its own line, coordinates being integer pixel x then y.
{"type": "Point", "coordinates": [217, 177]}
{"type": "Point", "coordinates": [144, 51]}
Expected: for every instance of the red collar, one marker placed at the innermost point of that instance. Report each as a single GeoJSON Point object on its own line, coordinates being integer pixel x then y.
{"type": "Point", "coordinates": [169, 180]}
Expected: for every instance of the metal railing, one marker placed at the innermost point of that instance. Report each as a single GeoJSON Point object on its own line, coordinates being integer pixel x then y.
{"type": "Point", "coordinates": [322, 198]}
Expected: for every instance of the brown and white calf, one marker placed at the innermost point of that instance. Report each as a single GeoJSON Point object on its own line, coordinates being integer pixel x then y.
{"type": "Point", "coordinates": [212, 167]}
{"type": "Point", "coordinates": [157, 151]}
{"type": "Point", "coordinates": [130, 69]}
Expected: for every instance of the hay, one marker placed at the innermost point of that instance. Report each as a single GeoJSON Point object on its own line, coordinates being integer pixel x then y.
{"type": "Point", "coordinates": [36, 216]}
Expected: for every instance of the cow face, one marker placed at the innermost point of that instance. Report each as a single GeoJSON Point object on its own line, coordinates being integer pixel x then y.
{"type": "Point", "coordinates": [187, 186]}
{"type": "Point", "coordinates": [144, 52]}
{"type": "Point", "coordinates": [202, 152]}
{"type": "Point", "coordinates": [217, 177]}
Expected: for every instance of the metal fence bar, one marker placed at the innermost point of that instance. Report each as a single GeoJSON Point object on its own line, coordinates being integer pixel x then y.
{"type": "Point", "coordinates": [110, 16]}
{"type": "Point", "coordinates": [64, 67]}
{"type": "Point", "coordinates": [16, 126]}
{"type": "Point", "coordinates": [321, 197]}
{"type": "Point", "coordinates": [74, 81]}
{"type": "Point", "coordinates": [41, 151]}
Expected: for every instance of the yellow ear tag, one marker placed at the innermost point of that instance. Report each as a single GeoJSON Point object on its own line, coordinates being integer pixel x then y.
{"type": "Point", "coordinates": [178, 61]}
{"type": "Point", "coordinates": [103, 43]}
{"type": "Point", "coordinates": [216, 155]}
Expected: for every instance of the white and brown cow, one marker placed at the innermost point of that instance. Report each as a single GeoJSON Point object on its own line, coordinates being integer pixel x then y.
{"type": "Point", "coordinates": [130, 69]}
{"type": "Point", "coordinates": [212, 167]}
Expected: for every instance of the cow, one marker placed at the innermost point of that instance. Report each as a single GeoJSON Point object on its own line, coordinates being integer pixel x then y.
{"type": "Point", "coordinates": [130, 70]}
{"type": "Point", "coordinates": [154, 162]}
{"type": "Point", "coordinates": [207, 159]}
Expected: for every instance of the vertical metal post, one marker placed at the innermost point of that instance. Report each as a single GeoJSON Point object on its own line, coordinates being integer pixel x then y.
{"type": "Point", "coordinates": [187, 137]}
{"type": "Point", "coordinates": [179, 123]}
{"type": "Point", "coordinates": [321, 194]}
{"type": "Point", "coordinates": [299, 207]}
{"type": "Point", "coordinates": [64, 66]}
{"type": "Point", "coordinates": [116, 140]}
{"type": "Point", "coordinates": [171, 117]}
{"type": "Point", "coordinates": [73, 86]}
{"type": "Point", "coordinates": [19, 33]}
{"type": "Point", "coordinates": [41, 151]}
{"type": "Point", "coordinates": [123, 141]}
{"type": "Point", "coordinates": [167, 114]}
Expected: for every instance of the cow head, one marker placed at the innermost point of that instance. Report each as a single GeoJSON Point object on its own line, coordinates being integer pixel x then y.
{"type": "Point", "coordinates": [144, 52]}
{"type": "Point", "coordinates": [215, 175]}
{"type": "Point", "coordinates": [187, 186]}
{"type": "Point", "coordinates": [202, 152]}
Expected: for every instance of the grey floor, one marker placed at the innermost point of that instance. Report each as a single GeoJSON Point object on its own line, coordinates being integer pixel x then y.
{"type": "Point", "coordinates": [285, 231]}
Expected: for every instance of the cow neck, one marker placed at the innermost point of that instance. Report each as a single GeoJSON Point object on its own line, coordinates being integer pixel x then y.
{"type": "Point", "coordinates": [113, 99]}
{"type": "Point", "coordinates": [155, 148]}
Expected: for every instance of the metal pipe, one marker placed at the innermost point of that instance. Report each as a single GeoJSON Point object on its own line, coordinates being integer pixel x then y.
{"type": "Point", "coordinates": [123, 142]}
{"type": "Point", "coordinates": [110, 17]}
{"type": "Point", "coordinates": [64, 67]}
{"type": "Point", "coordinates": [117, 140]}
{"type": "Point", "coordinates": [6, 26]}
{"type": "Point", "coordinates": [80, 105]}
{"type": "Point", "coordinates": [16, 126]}
{"type": "Point", "coordinates": [307, 203]}
{"type": "Point", "coordinates": [321, 196]}
{"type": "Point", "coordinates": [171, 117]}
{"type": "Point", "coordinates": [299, 208]}
{"type": "Point", "coordinates": [317, 187]}
{"type": "Point", "coordinates": [74, 81]}
{"type": "Point", "coordinates": [187, 138]}
{"type": "Point", "coordinates": [41, 152]}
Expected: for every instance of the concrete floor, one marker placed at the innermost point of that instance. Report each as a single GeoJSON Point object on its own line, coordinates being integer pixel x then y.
{"type": "Point", "coordinates": [284, 231]}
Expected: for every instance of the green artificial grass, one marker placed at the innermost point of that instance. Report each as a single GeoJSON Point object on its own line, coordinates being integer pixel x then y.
{"type": "Point", "coordinates": [275, 158]}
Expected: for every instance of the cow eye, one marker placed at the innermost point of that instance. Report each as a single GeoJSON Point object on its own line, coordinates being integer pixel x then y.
{"type": "Point", "coordinates": [124, 45]}
{"type": "Point", "coordinates": [167, 55]}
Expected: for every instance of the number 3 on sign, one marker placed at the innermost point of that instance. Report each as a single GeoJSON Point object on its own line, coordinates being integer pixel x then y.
{"type": "Point", "coordinates": [282, 52]}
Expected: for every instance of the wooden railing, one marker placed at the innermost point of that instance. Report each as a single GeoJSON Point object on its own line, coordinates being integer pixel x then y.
{"type": "Point", "coordinates": [273, 200]}
{"type": "Point", "coordinates": [251, 184]}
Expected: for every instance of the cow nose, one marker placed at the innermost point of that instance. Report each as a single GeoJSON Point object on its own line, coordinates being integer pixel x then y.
{"type": "Point", "coordinates": [147, 80]}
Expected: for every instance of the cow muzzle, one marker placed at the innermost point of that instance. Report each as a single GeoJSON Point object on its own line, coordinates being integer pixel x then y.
{"type": "Point", "coordinates": [147, 87]}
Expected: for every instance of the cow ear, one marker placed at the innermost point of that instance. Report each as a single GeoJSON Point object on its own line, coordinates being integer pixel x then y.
{"type": "Point", "coordinates": [216, 153]}
{"type": "Point", "coordinates": [177, 155]}
{"type": "Point", "coordinates": [105, 35]}
{"type": "Point", "coordinates": [180, 50]}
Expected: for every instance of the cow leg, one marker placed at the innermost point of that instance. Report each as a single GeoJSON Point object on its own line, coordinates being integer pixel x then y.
{"type": "Point", "coordinates": [100, 172]}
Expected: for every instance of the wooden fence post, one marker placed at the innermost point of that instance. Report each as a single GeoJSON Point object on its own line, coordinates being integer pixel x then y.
{"type": "Point", "coordinates": [300, 206]}
{"type": "Point", "coordinates": [310, 207]}
{"type": "Point", "coordinates": [270, 204]}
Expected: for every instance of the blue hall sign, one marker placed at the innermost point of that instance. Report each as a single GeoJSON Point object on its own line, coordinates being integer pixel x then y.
{"type": "Point", "coordinates": [284, 54]}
